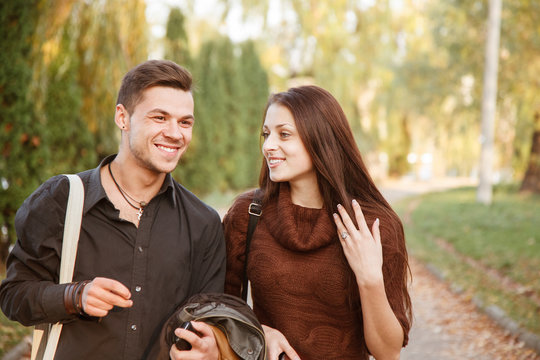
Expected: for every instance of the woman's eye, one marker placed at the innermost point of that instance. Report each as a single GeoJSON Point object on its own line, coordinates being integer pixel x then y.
{"type": "Point", "coordinates": [160, 118]}
{"type": "Point", "coordinates": [265, 135]}
{"type": "Point", "coordinates": [285, 134]}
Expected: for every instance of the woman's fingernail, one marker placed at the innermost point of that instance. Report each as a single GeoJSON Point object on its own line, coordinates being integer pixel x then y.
{"type": "Point", "coordinates": [377, 221]}
{"type": "Point", "coordinates": [335, 216]}
{"type": "Point", "coordinates": [354, 202]}
{"type": "Point", "coordinates": [339, 206]}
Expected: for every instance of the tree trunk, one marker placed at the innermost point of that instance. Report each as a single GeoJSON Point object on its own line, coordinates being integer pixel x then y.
{"type": "Point", "coordinates": [489, 102]}
{"type": "Point", "coordinates": [531, 181]}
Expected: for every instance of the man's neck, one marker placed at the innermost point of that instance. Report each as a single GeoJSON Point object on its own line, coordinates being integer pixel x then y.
{"type": "Point", "coordinates": [139, 182]}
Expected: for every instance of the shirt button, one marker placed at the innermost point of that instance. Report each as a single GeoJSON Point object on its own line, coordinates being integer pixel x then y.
{"type": "Point", "coordinates": [133, 327]}
{"type": "Point", "coordinates": [138, 288]}
{"type": "Point", "coordinates": [250, 351]}
{"type": "Point", "coordinates": [140, 249]}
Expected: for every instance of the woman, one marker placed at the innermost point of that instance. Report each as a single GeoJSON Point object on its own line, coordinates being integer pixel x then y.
{"type": "Point", "coordinates": [323, 285]}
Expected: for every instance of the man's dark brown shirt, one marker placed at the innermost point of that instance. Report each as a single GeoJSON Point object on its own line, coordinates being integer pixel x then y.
{"type": "Point", "coordinates": [178, 250]}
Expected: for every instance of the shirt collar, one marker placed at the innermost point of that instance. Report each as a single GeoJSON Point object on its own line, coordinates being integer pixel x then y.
{"type": "Point", "coordinates": [96, 192]}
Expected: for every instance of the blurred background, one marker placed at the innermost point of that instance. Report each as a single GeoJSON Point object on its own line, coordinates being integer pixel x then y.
{"type": "Point", "coordinates": [408, 73]}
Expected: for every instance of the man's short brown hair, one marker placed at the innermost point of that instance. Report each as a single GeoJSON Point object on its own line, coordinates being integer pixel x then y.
{"type": "Point", "coordinates": [148, 74]}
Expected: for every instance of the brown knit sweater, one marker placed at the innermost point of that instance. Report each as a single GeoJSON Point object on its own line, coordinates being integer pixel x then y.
{"type": "Point", "coordinates": [298, 277]}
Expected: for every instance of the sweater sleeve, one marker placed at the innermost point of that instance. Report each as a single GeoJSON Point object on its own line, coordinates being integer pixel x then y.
{"type": "Point", "coordinates": [235, 225]}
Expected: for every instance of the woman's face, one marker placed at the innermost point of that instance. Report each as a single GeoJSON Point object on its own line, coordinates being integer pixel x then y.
{"type": "Point", "coordinates": [284, 151]}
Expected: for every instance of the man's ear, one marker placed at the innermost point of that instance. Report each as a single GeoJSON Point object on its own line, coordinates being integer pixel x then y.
{"type": "Point", "coordinates": [121, 117]}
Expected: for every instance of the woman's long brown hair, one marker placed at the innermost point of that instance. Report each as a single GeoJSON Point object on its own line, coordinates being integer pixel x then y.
{"type": "Point", "coordinates": [341, 172]}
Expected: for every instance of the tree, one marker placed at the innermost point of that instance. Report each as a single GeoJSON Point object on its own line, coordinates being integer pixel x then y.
{"type": "Point", "coordinates": [231, 91]}
{"type": "Point", "coordinates": [23, 154]}
{"type": "Point", "coordinates": [531, 181]}
{"type": "Point", "coordinates": [489, 102]}
{"type": "Point", "coordinates": [176, 39]}
{"type": "Point", "coordinates": [68, 139]}
{"type": "Point", "coordinates": [112, 39]}
{"type": "Point", "coordinates": [253, 95]}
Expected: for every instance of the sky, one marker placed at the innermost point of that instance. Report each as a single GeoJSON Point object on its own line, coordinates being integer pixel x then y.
{"type": "Point", "coordinates": [157, 12]}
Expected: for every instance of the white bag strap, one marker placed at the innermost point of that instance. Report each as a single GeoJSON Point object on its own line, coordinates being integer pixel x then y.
{"type": "Point", "coordinates": [72, 228]}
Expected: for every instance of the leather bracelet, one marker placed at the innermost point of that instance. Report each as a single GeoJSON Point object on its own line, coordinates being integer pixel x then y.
{"type": "Point", "coordinates": [77, 297]}
{"type": "Point", "coordinates": [68, 298]}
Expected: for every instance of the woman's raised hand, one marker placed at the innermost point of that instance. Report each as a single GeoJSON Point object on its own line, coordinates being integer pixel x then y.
{"type": "Point", "coordinates": [362, 248]}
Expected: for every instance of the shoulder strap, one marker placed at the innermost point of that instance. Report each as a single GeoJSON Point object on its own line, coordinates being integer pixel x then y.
{"type": "Point", "coordinates": [72, 227]}
{"type": "Point", "coordinates": [255, 211]}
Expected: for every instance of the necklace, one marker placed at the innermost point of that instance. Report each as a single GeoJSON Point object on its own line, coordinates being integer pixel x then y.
{"type": "Point", "coordinates": [142, 204]}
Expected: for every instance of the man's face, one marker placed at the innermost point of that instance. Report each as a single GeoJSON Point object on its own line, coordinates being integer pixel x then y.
{"type": "Point", "coordinates": [160, 128]}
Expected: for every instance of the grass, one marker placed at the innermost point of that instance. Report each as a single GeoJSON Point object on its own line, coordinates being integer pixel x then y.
{"type": "Point", "coordinates": [476, 246]}
{"type": "Point", "coordinates": [11, 333]}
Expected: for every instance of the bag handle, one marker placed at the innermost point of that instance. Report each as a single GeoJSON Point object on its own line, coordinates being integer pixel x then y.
{"type": "Point", "coordinates": [72, 228]}
{"type": "Point", "coordinates": [255, 212]}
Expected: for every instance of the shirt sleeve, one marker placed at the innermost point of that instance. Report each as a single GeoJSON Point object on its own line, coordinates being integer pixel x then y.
{"type": "Point", "coordinates": [210, 276]}
{"type": "Point", "coordinates": [30, 293]}
{"type": "Point", "coordinates": [235, 225]}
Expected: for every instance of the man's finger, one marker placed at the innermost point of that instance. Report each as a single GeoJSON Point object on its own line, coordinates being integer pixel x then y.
{"type": "Point", "coordinates": [94, 311]}
{"type": "Point", "coordinates": [113, 286]}
{"type": "Point", "coordinates": [103, 293]}
{"type": "Point", "coordinates": [202, 328]}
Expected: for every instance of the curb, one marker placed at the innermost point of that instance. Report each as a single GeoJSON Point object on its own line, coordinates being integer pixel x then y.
{"type": "Point", "coordinates": [494, 312]}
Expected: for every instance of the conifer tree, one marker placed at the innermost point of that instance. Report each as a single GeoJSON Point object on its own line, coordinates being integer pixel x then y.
{"type": "Point", "coordinates": [176, 39]}
{"type": "Point", "coordinates": [253, 95]}
{"type": "Point", "coordinates": [231, 92]}
{"type": "Point", "coordinates": [21, 142]}
{"type": "Point", "coordinates": [202, 168]}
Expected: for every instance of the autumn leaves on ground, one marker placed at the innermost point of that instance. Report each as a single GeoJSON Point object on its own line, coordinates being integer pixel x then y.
{"type": "Point", "coordinates": [488, 255]}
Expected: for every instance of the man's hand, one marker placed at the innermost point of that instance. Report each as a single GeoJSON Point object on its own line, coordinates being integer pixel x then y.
{"type": "Point", "coordinates": [102, 294]}
{"type": "Point", "coordinates": [203, 347]}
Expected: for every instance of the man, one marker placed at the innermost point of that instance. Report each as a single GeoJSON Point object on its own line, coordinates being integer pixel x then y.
{"type": "Point", "coordinates": [146, 243]}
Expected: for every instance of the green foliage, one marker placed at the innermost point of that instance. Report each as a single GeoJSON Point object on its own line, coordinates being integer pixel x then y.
{"type": "Point", "coordinates": [502, 238]}
{"type": "Point", "coordinates": [11, 334]}
{"type": "Point", "coordinates": [232, 90]}
{"type": "Point", "coordinates": [69, 141]}
{"type": "Point", "coordinates": [424, 61]}
{"type": "Point", "coordinates": [21, 135]}
{"type": "Point", "coordinates": [176, 48]}
{"type": "Point", "coordinates": [112, 40]}
{"type": "Point", "coordinates": [252, 96]}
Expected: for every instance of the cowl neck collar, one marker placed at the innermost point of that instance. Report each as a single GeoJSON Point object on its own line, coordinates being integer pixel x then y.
{"type": "Point", "coordinates": [298, 228]}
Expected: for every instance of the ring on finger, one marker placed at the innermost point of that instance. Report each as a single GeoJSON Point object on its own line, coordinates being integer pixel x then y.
{"type": "Point", "coordinates": [344, 235]}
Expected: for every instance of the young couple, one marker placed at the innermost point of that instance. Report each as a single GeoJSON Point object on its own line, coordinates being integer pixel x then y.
{"type": "Point", "coordinates": [327, 263]}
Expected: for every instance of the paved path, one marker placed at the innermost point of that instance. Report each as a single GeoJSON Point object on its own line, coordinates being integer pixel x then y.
{"type": "Point", "coordinates": [447, 325]}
